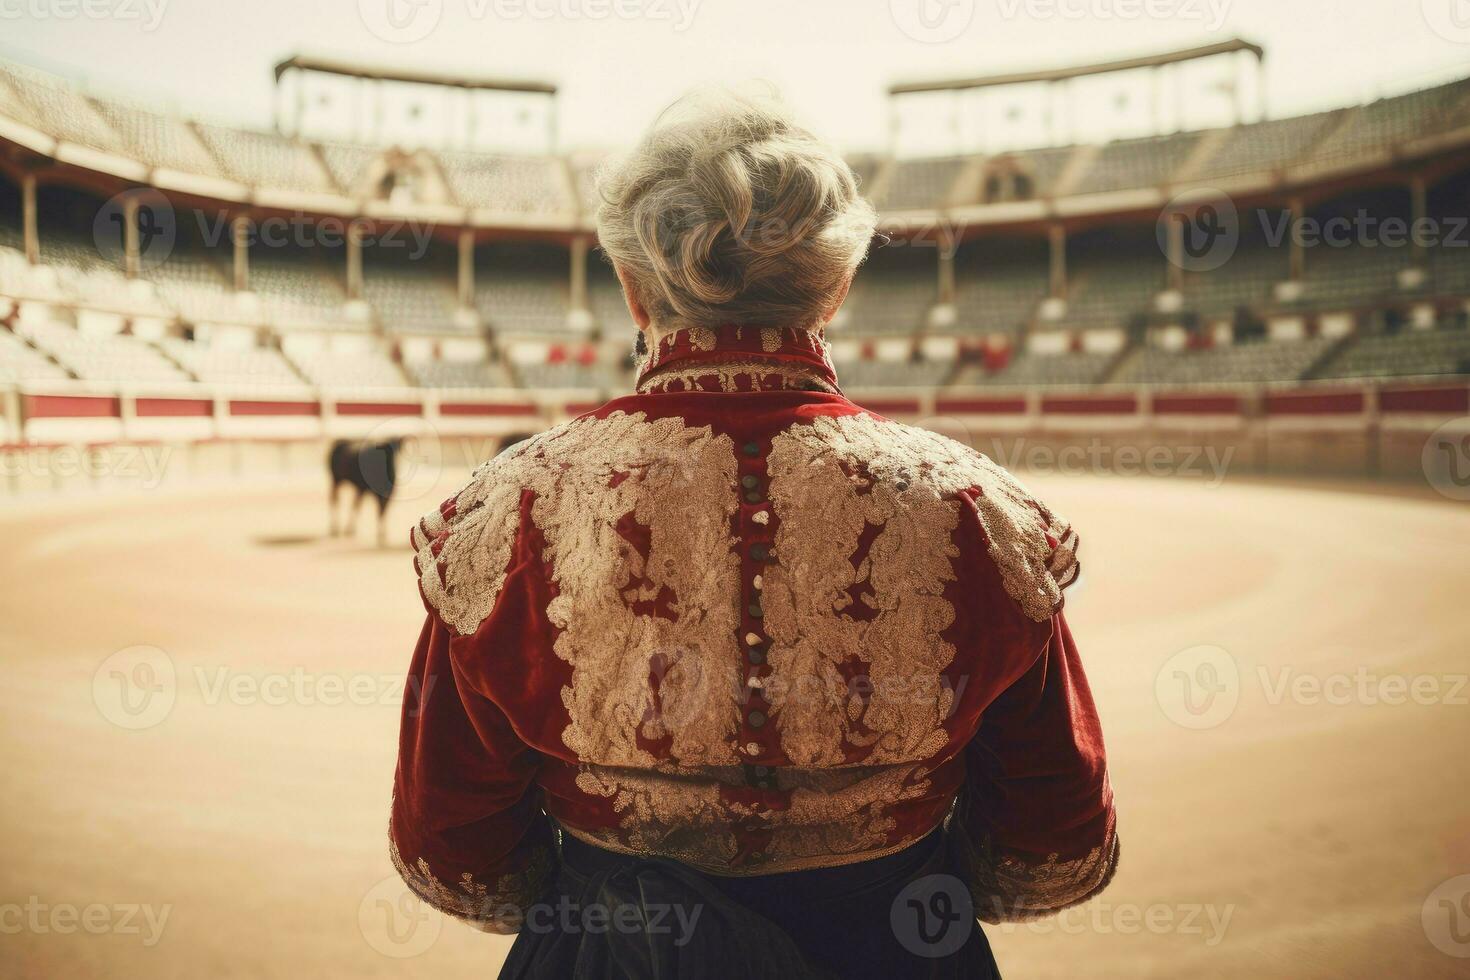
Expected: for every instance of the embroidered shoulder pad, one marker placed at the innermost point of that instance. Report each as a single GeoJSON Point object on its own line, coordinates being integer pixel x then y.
{"type": "Point", "coordinates": [462, 550]}
{"type": "Point", "coordinates": [1034, 549]}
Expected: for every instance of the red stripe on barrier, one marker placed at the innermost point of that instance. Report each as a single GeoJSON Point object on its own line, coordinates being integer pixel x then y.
{"type": "Point", "coordinates": [1314, 403]}
{"type": "Point", "coordinates": [485, 408]}
{"type": "Point", "coordinates": [1090, 405]}
{"type": "Point", "coordinates": [274, 408]}
{"type": "Point", "coordinates": [981, 406]}
{"type": "Point", "coordinates": [1454, 400]}
{"type": "Point", "coordinates": [1197, 404]}
{"type": "Point", "coordinates": [379, 408]}
{"type": "Point", "coordinates": [72, 407]}
{"type": "Point", "coordinates": [174, 407]}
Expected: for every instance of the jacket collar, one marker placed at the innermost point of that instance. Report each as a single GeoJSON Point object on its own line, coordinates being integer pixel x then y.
{"type": "Point", "coordinates": [738, 358]}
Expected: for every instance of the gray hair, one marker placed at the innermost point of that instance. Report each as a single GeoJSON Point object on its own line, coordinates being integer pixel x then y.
{"type": "Point", "coordinates": [728, 212]}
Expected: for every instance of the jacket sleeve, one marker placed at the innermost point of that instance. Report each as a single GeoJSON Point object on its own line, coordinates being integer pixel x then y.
{"type": "Point", "coordinates": [1034, 825]}
{"type": "Point", "coordinates": [467, 832]}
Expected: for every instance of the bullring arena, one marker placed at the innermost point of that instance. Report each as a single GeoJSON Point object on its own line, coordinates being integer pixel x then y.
{"type": "Point", "coordinates": [1279, 834]}
{"type": "Point", "coordinates": [1267, 459]}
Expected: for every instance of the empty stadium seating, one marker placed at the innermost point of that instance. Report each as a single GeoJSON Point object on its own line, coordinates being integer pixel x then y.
{"type": "Point", "coordinates": [1266, 145]}
{"type": "Point", "coordinates": [999, 283]}
{"type": "Point", "coordinates": [1408, 352]}
{"type": "Point", "coordinates": [1115, 270]}
{"type": "Point", "coordinates": [1378, 126]}
{"type": "Point", "coordinates": [1114, 276]}
{"type": "Point", "coordinates": [501, 182]}
{"type": "Point", "coordinates": [893, 374]}
{"type": "Point", "coordinates": [19, 361]}
{"type": "Point", "coordinates": [457, 374]}
{"type": "Point", "coordinates": [1246, 279]}
{"type": "Point", "coordinates": [1039, 370]}
{"type": "Point", "coordinates": [298, 286]}
{"type": "Point", "coordinates": [569, 374]}
{"type": "Point", "coordinates": [894, 291]}
{"type": "Point", "coordinates": [522, 289]}
{"type": "Point", "coordinates": [231, 365]}
{"type": "Point", "coordinates": [265, 159]}
{"type": "Point", "coordinates": [337, 369]}
{"type": "Point", "coordinates": [1246, 362]}
{"type": "Point", "coordinates": [100, 357]}
{"type": "Point", "coordinates": [409, 293]}
{"type": "Point", "coordinates": [1136, 163]}
{"type": "Point", "coordinates": [920, 183]}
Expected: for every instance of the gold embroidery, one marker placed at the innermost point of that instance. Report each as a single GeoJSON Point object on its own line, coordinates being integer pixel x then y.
{"type": "Point", "coordinates": [703, 338]}
{"type": "Point", "coordinates": [464, 578]}
{"type": "Point", "coordinates": [662, 670]}
{"type": "Point", "coordinates": [831, 817]}
{"type": "Point", "coordinates": [1016, 525]}
{"type": "Point", "coordinates": [845, 476]}
{"type": "Point", "coordinates": [497, 910]}
{"type": "Point", "coordinates": [770, 339]}
{"type": "Point", "coordinates": [664, 813]}
{"type": "Point", "coordinates": [841, 811]}
{"type": "Point", "coordinates": [727, 377]}
{"type": "Point", "coordinates": [1008, 888]}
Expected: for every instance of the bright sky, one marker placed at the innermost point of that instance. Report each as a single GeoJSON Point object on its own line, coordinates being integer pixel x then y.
{"type": "Point", "coordinates": [619, 61]}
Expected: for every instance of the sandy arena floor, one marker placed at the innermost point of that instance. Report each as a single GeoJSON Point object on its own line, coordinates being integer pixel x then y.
{"type": "Point", "coordinates": [241, 833]}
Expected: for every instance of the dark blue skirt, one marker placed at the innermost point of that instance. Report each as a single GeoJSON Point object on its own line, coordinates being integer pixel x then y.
{"type": "Point", "coordinates": [611, 915]}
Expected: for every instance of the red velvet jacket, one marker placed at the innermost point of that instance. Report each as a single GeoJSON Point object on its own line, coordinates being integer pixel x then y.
{"type": "Point", "coordinates": [737, 620]}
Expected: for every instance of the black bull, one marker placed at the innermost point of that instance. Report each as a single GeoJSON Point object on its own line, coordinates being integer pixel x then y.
{"type": "Point", "coordinates": [371, 467]}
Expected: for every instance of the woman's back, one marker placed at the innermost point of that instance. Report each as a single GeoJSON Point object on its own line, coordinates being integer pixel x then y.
{"type": "Point", "coordinates": [735, 621]}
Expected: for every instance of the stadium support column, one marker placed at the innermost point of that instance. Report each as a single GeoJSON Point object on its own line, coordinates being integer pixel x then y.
{"type": "Point", "coordinates": [466, 268]}
{"type": "Point", "coordinates": [28, 218]}
{"type": "Point", "coordinates": [1176, 255]}
{"type": "Point", "coordinates": [946, 250]}
{"type": "Point", "coordinates": [1058, 236]}
{"type": "Point", "coordinates": [1297, 255]}
{"type": "Point", "coordinates": [130, 235]}
{"type": "Point", "coordinates": [240, 239]}
{"type": "Point", "coordinates": [579, 272]}
{"type": "Point", "coordinates": [1418, 216]}
{"type": "Point", "coordinates": [354, 260]}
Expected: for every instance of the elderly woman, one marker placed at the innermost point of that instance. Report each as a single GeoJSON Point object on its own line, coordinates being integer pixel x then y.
{"type": "Point", "coordinates": [731, 677]}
